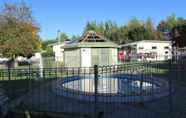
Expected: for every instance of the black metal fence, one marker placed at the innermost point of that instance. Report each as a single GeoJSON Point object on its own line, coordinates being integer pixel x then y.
{"type": "Point", "coordinates": [143, 90]}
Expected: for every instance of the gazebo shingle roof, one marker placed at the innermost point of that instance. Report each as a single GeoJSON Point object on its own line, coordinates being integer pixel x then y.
{"type": "Point", "coordinates": [91, 39]}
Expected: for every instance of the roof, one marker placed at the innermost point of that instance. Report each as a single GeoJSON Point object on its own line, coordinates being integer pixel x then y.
{"type": "Point", "coordinates": [92, 45]}
{"type": "Point", "coordinates": [92, 36]}
{"type": "Point", "coordinates": [59, 43]}
{"type": "Point", "coordinates": [91, 39]}
{"type": "Point", "coordinates": [54, 44]}
{"type": "Point", "coordinates": [144, 41]}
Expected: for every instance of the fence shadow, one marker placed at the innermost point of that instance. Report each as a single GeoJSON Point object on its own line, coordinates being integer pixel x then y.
{"type": "Point", "coordinates": [134, 90]}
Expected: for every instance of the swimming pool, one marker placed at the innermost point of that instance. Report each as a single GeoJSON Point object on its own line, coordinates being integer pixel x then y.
{"type": "Point", "coordinates": [115, 88]}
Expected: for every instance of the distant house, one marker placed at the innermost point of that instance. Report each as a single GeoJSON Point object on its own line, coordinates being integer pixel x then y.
{"type": "Point", "coordinates": [59, 50]}
{"type": "Point", "coordinates": [92, 49]}
{"type": "Point", "coordinates": [148, 50]}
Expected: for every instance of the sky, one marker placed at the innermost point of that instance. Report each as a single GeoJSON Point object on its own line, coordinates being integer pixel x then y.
{"type": "Point", "coordinates": [71, 16]}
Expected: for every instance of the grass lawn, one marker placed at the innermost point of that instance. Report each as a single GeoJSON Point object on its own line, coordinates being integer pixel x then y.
{"type": "Point", "coordinates": [153, 68]}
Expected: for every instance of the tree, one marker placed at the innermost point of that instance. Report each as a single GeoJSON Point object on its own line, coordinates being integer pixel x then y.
{"type": "Point", "coordinates": [63, 37]}
{"type": "Point", "coordinates": [134, 23]}
{"type": "Point", "coordinates": [150, 30]}
{"type": "Point", "coordinates": [137, 34]}
{"type": "Point", "coordinates": [18, 31]}
{"type": "Point", "coordinates": [163, 27]}
{"type": "Point", "coordinates": [158, 35]}
{"type": "Point", "coordinates": [169, 23]}
{"type": "Point", "coordinates": [178, 34]}
{"type": "Point", "coordinates": [75, 37]}
{"type": "Point", "coordinates": [48, 42]}
{"type": "Point", "coordinates": [172, 25]}
{"type": "Point", "coordinates": [124, 35]}
{"type": "Point", "coordinates": [48, 52]}
{"type": "Point", "coordinates": [109, 29]}
{"type": "Point", "coordinates": [136, 30]}
{"type": "Point", "coordinates": [91, 26]}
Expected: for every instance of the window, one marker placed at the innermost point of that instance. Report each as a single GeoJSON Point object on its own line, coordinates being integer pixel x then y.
{"type": "Point", "coordinates": [141, 48]}
{"type": "Point", "coordinates": [166, 52]}
{"type": "Point", "coordinates": [154, 47]}
{"type": "Point", "coordinates": [166, 47]}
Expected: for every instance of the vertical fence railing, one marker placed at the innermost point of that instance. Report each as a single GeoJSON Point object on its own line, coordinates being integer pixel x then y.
{"type": "Point", "coordinates": [95, 89]}
{"type": "Point", "coordinates": [29, 78]}
{"type": "Point", "coordinates": [9, 85]}
{"type": "Point", "coordinates": [143, 70]}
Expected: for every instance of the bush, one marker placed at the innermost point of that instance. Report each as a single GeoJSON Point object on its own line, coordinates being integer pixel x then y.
{"type": "Point", "coordinates": [48, 52]}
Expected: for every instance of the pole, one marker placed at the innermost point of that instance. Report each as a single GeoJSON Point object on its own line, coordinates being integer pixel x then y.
{"type": "Point", "coordinates": [171, 61]}
{"type": "Point", "coordinates": [58, 38]}
{"type": "Point", "coordinates": [95, 88]}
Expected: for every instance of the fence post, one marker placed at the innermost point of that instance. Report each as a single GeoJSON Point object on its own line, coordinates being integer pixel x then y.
{"type": "Point", "coordinates": [29, 79]}
{"type": "Point", "coordinates": [9, 73]}
{"type": "Point", "coordinates": [10, 88]}
{"type": "Point", "coordinates": [56, 71]}
{"type": "Point", "coordinates": [95, 89]}
{"type": "Point", "coordinates": [44, 74]}
{"type": "Point", "coordinates": [141, 87]}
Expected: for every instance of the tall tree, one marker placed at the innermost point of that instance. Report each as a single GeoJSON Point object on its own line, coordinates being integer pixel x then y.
{"type": "Point", "coordinates": [169, 23]}
{"type": "Point", "coordinates": [124, 35]}
{"type": "Point", "coordinates": [75, 37]}
{"type": "Point", "coordinates": [18, 31]}
{"type": "Point", "coordinates": [134, 23]}
{"type": "Point", "coordinates": [178, 34]}
{"type": "Point", "coordinates": [136, 30]}
{"type": "Point", "coordinates": [150, 30]}
{"type": "Point", "coordinates": [90, 26]}
{"type": "Point", "coordinates": [63, 37]}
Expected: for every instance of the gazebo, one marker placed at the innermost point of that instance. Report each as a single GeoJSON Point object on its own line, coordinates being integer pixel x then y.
{"type": "Point", "coordinates": [91, 49]}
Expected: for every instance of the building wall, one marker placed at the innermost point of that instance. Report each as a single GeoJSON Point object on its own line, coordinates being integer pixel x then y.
{"type": "Point", "coordinates": [72, 57]}
{"type": "Point", "coordinates": [162, 49]}
{"type": "Point", "coordinates": [85, 57]}
{"type": "Point", "coordinates": [114, 56]}
{"type": "Point", "coordinates": [58, 52]}
{"type": "Point", "coordinates": [88, 57]}
{"type": "Point", "coordinates": [104, 56]}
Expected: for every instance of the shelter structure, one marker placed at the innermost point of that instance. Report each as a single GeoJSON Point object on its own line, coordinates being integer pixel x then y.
{"type": "Point", "coordinates": [91, 49]}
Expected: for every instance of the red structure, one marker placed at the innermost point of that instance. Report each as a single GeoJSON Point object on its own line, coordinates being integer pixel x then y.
{"type": "Point", "coordinates": [122, 55]}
